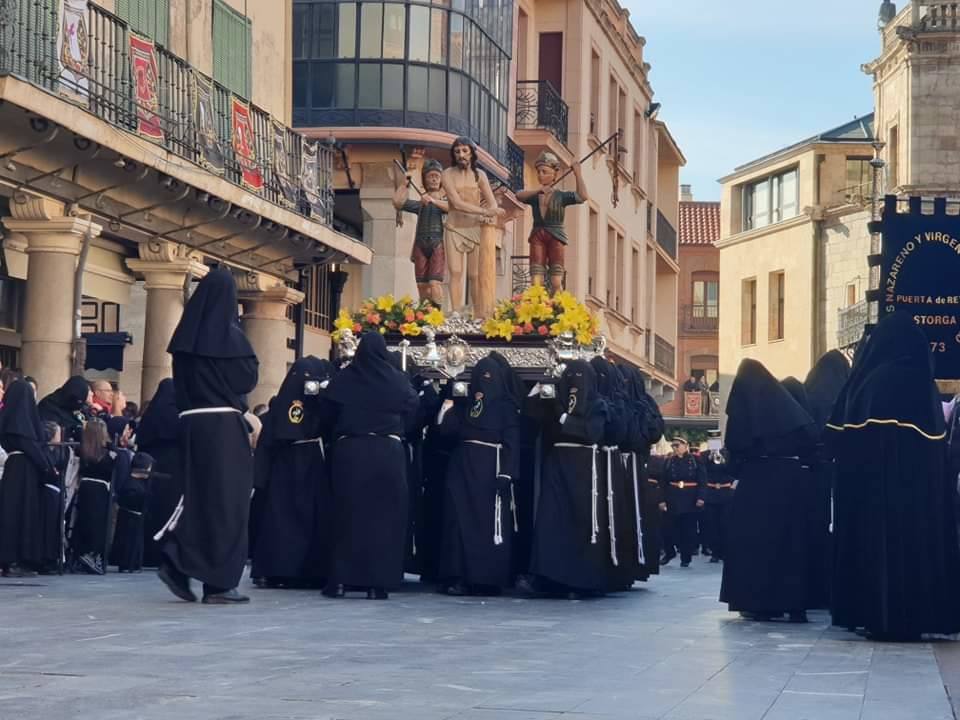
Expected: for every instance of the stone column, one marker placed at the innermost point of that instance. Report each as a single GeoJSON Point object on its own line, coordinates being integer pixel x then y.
{"type": "Point", "coordinates": [391, 270]}
{"type": "Point", "coordinates": [265, 301]}
{"type": "Point", "coordinates": [53, 245]}
{"type": "Point", "coordinates": [164, 267]}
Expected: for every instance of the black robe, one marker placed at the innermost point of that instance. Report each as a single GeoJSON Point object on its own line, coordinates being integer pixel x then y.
{"type": "Point", "coordinates": [91, 510]}
{"type": "Point", "coordinates": [25, 515]}
{"type": "Point", "coordinates": [371, 403]}
{"type": "Point", "coordinates": [618, 496]}
{"type": "Point", "coordinates": [415, 446]}
{"type": "Point", "coordinates": [131, 491]}
{"type": "Point", "coordinates": [646, 429]}
{"type": "Point", "coordinates": [157, 436]}
{"type": "Point", "coordinates": [570, 540]}
{"type": "Point", "coordinates": [770, 439]}
{"type": "Point", "coordinates": [480, 519]}
{"type": "Point", "coordinates": [293, 543]}
{"type": "Point", "coordinates": [897, 561]}
{"type": "Point", "coordinates": [214, 367]}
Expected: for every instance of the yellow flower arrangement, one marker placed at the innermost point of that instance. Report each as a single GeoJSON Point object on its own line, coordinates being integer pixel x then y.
{"type": "Point", "coordinates": [534, 312]}
{"type": "Point", "coordinates": [385, 314]}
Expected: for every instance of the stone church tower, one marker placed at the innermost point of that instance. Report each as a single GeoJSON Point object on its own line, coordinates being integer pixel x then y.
{"type": "Point", "coordinates": [917, 97]}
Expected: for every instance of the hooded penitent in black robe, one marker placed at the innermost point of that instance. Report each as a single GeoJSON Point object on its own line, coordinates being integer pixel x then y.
{"type": "Point", "coordinates": [214, 367]}
{"type": "Point", "coordinates": [414, 443]}
{"type": "Point", "coordinates": [479, 517]}
{"type": "Point", "coordinates": [619, 512]}
{"type": "Point", "coordinates": [770, 439]}
{"type": "Point", "coordinates": [371, 403]}
{"type": "Point", "coordinates": [897, 566]}
{"type": "Point", "coordinates": [27, 472]}
{"type": "Point", "coordinates": [570, 543]}
{"type": "Point", "coordinates": [823, 386]}
{"type": "Point", "coordinates": [64, 406]}
{"type": "Point", "coordinates": [291, 476]}
{"type": "Point", "coordinates": [157, 436]}
{"type": "Point", "coordinates": [131, 492]}
{"type": "Point", "coordinates": [647, 428]}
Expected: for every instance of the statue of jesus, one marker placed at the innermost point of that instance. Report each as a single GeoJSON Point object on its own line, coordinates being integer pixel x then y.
{"type": "Point", "coordinates": [471, 230]}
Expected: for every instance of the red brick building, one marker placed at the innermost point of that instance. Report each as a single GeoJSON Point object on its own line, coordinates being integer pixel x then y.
{"type": "Point", "coordinates": [699, 313]}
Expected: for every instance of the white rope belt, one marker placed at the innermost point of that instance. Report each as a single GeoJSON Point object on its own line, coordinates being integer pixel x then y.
{"type": "Point", "coordinates": [105, 483]}
{"type": "Point", "coordinates": [314, 441]}
{"type": "Point", "coordinates": [611, 512]}
{"type": "Point", "coordinates": [636, 508]}
{"type": "Point", "coordinates": [209, 411]}
{"type": "Point", "coordinates": [15, 452]}
{"type": "Point", "coordinates": [392, 437]}
{"type": "Point", "coordinates": [498, 503]}
{"type": "Point", "coordinates": [55, 488]}
{"type": "Point", "coordinates": [171, 524]}
{"type": "Point", "coordinates": [594, 492]}
{"type": "Point", "coordinates": [132, 512]}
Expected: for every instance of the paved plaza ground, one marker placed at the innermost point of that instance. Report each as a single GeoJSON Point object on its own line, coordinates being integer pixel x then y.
{"type": "Point", "coordinates": [120, 647]}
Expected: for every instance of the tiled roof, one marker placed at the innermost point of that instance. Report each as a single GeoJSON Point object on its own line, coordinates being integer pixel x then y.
{"type": "Point", "coordinates": [699, 223]}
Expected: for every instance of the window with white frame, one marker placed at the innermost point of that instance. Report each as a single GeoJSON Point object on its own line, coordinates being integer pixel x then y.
{"type": "Point", "coordinates": [771, 200]}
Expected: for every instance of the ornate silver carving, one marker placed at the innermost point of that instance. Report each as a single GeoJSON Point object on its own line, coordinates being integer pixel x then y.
{"type": "Point", "coordinates": [458, 325]}
{"type": "Point", "coordinates": [347, 347]}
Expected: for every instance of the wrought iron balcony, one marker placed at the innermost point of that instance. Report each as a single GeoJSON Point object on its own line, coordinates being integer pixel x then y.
{"type": "Point", "coordinates": [698, 319]}
{"type": "Point", "coordinates": [852, 321]}
{"type": "Point", "coordinates": [664, 356]}
{"type": "Point", "coordinates": [107, 88]}
{"type": "Point", "coordinates": [515, 165]}
{"type": "Point", "coordinates": [666, 235]}
{"type": "Point", "coordinates": [539, 106]}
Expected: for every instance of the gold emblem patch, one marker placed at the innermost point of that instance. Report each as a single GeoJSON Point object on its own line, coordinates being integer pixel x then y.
{"type": "Point", "coordinates": [295, 413]}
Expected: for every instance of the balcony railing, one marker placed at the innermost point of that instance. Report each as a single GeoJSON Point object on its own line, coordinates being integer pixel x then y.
{"type": "Point", "coordinates": [936, 16]}
{"type": "Point", "coordinates": [539, 106]}
{"type": "Point", "coordinates": [666, 235]}
{"type": "Point", "coordinates": [107, 89]}
{"type": "Point", "coordinates": [700, 319]}
{"type": "Point", "coordinates": [852, 321]}
{"type": "Point", "coordinates": [519, 273]}
{"type": "Point", "coordinates": [664, 356]}
{"type": "Point", "coordinates": [515, 165]}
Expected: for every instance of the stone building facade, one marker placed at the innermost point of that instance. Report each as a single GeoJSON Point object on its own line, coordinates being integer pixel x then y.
{"type": "Point", "coordinates": [105, 196]}
{"type": "Point", "coordinates": [581, 76]}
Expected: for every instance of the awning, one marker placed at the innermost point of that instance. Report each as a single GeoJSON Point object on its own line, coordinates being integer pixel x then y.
{"type": "Point", "coordinates": [105, 350]}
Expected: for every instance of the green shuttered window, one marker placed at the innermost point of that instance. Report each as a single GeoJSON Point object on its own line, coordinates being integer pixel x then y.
{"type": "Point", "coordinates": [147, 17]}
{"type": "Point", "coordinates": [232, 46]}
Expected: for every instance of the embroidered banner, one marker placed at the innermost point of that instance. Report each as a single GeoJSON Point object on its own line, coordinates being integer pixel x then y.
{"type": "Point", "coordinates": [244, 145]}
{"type": "Point", "coordinates": [208, 142]}
{"type": "Point", "coordinates": [281, 165]}
{"type": "Point", "coordinates": [143, 64]}
{"type": "Point", "coordinates": [73, 50]}
{"type": "Point", "coordinates": [693, 404]}
{"type": "Point", "coordinates": [310, 175]}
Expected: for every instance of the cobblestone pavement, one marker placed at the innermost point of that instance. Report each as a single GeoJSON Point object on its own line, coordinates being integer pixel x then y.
{"type": "Point", "coordinates": [120, 647]}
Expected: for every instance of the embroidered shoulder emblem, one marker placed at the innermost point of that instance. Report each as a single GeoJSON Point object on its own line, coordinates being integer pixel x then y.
{"type": "Point", "coordinates": [295, 413]}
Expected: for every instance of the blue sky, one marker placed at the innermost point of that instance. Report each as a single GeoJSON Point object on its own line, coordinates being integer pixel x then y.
{"type": "Point", "coordinates": [741, 78]}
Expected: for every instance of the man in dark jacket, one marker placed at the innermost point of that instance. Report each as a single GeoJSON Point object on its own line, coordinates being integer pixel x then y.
{"type": "Point", "coordinates": [683, 481]}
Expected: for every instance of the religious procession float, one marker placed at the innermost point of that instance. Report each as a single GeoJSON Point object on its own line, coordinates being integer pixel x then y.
{"type": "Point", "coordinates": [537, 330]}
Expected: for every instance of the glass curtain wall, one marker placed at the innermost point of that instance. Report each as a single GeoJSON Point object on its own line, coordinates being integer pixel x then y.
{"type": "Point", "coordinates": [440, 66]}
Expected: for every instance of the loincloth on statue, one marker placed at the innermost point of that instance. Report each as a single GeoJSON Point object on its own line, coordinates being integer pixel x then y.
{"type": "Point", "coordinates": [464, 239]}
{"type": "Point", "coordinates": [428, 263]}
{"type": "Point", "coordinates": [546, 250]}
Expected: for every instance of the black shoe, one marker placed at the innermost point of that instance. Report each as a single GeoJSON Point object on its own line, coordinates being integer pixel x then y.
{"type": "Point", "coordinates": [92, 563]}
{"type": "Point", "coordinates": [755, 616]}
{"type": "Point", "coordinates": [800, 616]}
{"type": "Point", "coordinates": [685, 563]}
{"type": "Point", "coordinates": [665, 560]}
{"type": "Point", "coordinates": [334, 591]}
{"type": "Point", "coordinates": [377, 594]}
{"type": "Point", "coordinates": [714, 559]}
{"type": "Point", "coordinates": [457, 590]}
{"type": "Point", "coordinates": [176, 582]}
{"type": "Point", "coordinates": [230, 597]}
